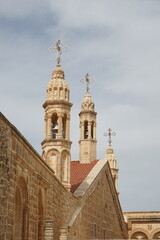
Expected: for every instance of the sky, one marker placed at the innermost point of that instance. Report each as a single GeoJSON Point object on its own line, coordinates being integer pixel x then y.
{"type": "Point", "coordinates": [118, 44]}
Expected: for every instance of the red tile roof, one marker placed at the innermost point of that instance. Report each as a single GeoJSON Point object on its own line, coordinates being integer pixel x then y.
{"type": "Point", "coordinates": [79, 172]}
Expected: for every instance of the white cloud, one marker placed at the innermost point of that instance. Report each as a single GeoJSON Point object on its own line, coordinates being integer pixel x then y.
{"type": "Point", "coordinates": [117, 42]}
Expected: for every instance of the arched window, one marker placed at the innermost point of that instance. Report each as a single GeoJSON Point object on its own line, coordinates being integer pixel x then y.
{"type": "Point", "coordinates": [85, 129]}
{"type": "Point", "coordinates": [54, 126]}
{"type": "Point", "coordinates": [52, 159]}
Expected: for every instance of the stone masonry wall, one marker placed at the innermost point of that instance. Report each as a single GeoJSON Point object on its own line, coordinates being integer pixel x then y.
{"type": "Point", "coordinates": [44, 197]}
{"type": "Point", "coordinates": [99, 207]}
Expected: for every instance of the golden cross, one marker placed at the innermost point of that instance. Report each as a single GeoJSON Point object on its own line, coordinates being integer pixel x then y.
{"type": "Point", "coordinates": [87, 80]}
{"type": "Point", "coordinates": [59, 48]}
{"type": "Point", "coordinates": [109, 134]}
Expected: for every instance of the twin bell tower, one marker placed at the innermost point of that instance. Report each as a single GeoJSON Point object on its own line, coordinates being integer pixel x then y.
{"type": "Point", "coordinates": [56, 146]}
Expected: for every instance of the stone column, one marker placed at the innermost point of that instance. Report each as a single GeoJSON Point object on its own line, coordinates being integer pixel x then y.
{"type": "Point", "coordinates": [82, 130]}
{"type": "Point", "coordinates": [59, 126]}
{"type": "Point", "coordinates": [89, 129]}
{"type": "Point", "coordinates": [68, 128]}
{"type": "Point", "coordinates": [94, 131]}
{"type": "Point", "coordinates": [63, 233]}
{"type": "Point", "coordinates": [48, 124]}
{"type": "Point", "coordinates": [49, 230]}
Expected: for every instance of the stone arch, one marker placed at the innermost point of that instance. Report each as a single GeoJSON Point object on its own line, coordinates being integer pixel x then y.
{"type": "Point", "coordinates": [52, 159]}
{"type": "Point", "coordinates": [139, 233]}
{"type": "Point", "coordinates": [155, 234]}
{"type": "Point", "coordinates": [85, 129]}
{"type": "Point", "coordinates": [54, 125]}
{"type": "Point", "coordinates": [41, 217]}
{"type": "Point", "coordinates": [21, 210]}
{"type": "Point", "coordinates": [65, 159]}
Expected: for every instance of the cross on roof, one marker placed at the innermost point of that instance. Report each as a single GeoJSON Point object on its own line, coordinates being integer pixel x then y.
{"type": "Point", "coordinates": [87, 80]}
{"type": "Point", "coordinates": [109, 134]}
{"type": "Point", "coordinates": [59, 48]}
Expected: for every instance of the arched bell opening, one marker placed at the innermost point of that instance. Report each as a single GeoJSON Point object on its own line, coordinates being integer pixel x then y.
{"type": "Point", "coordinates": [64, 119]}
{"type": "Point", "coordinates": [86, 130]}
{"type": "Point", "coordinates": [54, 126]}
{"type": "Point", "coordinates": [92, 130]}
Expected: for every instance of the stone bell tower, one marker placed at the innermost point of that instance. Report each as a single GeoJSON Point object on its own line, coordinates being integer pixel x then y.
{"type": "Point", "coordinates": [56, 145]}
{"type": "Point", "coordinates": [111, 158]}
{"type": "Point", "coordinates": [87, 142]}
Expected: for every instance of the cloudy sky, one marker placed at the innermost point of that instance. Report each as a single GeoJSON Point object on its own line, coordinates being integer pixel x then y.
{"type": "Point", "coordinates": [118, 43]}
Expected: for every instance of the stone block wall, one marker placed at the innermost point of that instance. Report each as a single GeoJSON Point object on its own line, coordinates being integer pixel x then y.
{"type": "Point", "coordinates": [99, 215]}
{"type": "Point", "coordinates": [30, 194]}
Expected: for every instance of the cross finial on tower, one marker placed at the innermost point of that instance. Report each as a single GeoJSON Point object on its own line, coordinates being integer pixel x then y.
{"type": "Point", "coordinates": [109, 134]}
{"type": "Point", "coordinates": [59, 48]}
{"type": "Point", "coordinates": [87, 80]}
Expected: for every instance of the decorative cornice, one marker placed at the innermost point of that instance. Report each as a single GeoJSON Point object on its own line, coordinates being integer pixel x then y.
{"type": "Point", "coordinates": [54, 102]}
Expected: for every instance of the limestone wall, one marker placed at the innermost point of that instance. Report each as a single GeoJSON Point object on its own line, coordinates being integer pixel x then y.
{"type": "Point", "coordinates": [34, 205]}
{"type": "Point", "coordinates": [30, 194]}
{"type": "Point", "coordinates": [98, 215]}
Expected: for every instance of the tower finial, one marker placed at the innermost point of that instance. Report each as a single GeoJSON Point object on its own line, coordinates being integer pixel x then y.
{"type": "Point", "coordinates": [87, 80]}
{"type": "Point", "coordinates": [59, 48]}
{"type": "Point", "coordinates": [109, 134]}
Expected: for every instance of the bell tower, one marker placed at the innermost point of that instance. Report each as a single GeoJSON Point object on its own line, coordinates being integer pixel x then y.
{"type": "Point", "coordinates": [87, 142]}
{"type": "Point", "coordinates": [56, 144]}
{"type": "Point", "coordinates": [111, 158]}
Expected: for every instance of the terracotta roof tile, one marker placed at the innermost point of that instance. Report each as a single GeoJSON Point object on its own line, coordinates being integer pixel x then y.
{"type": "Point", "coordinates": [79, 172]}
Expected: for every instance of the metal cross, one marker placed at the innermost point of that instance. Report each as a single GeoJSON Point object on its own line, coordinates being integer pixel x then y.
{"type": "Point", "coordinates": [110, 134]}
{"type": "Point", "coordinates": [59, 48]}
{"type": "Point", "coordinates": [87, 80]}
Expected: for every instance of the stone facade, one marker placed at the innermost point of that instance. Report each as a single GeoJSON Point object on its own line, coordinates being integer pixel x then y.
{"type": "Point", "coordinates": [99, 214]}
{"type": "Point", "coordinates": [31, 195]}
{"type": "Point", "coordinates": [143, 225]}
{"type": "Point", "coordinates": [34, 204]}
